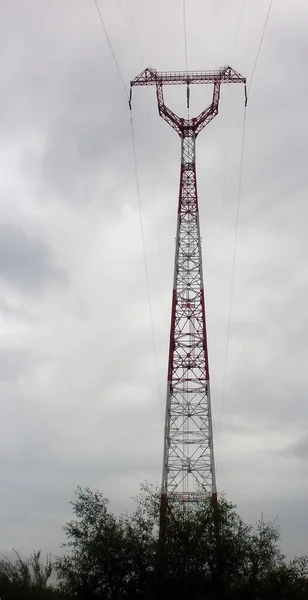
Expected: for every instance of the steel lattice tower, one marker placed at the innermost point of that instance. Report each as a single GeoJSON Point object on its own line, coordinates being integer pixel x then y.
{"type": "Point", "coordinates": [188, 460]}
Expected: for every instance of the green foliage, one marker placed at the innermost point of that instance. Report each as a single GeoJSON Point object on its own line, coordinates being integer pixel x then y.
{"type": "Point", "coordinates": [109, 555]}
{"type": "Point", "coordinates": [120, 558]}
{"type": "Point", "coordinates": [115, 558]}
{"type": "Point", "coordinates": [25, 579]}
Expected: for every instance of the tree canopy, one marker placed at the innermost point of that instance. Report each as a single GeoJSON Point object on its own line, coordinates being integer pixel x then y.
{"type": "Point", "coordinates": [109, 557]}
{"type": "Point", "coordinates": [119, 557]}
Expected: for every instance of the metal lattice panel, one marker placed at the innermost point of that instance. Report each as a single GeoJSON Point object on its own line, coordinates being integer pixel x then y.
{"type": "Point", "coordinates": [188, 463]}
{"type": "Point", "coordinates": [188, 458]}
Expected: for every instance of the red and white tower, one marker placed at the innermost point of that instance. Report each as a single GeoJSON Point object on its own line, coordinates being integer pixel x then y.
{"type": "Point", "coordinates": [188, 459]}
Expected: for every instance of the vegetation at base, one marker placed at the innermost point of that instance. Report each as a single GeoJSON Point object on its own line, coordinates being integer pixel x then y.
{"type": "Point", "coordinates": [113, 558]}
{"type": "Point", "coordinates": [24, 579]}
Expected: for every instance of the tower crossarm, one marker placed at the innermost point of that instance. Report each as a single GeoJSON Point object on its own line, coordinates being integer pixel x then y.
{"type": "Point", "coordinates": [187, 126]}
{"type": "Point", "coordinates": [152, 77]}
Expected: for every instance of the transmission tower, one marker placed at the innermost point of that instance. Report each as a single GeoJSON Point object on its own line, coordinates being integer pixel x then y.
{"type": "Point", "coordinates": [188, 458]}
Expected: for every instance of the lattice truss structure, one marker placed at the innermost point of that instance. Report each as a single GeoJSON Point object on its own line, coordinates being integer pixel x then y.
{"type": "Point", "coordinates": [188, 461]}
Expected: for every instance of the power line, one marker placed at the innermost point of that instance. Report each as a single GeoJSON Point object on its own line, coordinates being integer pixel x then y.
{"type": "Point", "coordinates": [224, 368]}
{"type": "Point", "coordinates": [185, 50]}
{"type": "Point", "coordinates": [238, 30]}
{"type": "Point", "coordinates": [239, 196]}
{"type": "Point", "coordinates": [226, 149]}
{"type": "Point", "coordinates": [138, 195]}
{"type": "Point", "coordinates": [260, 44]}
{"type": "Point", "coordinates": [223, 202]}
{"type": "Point", "coordinates": [135, 33]}
{"type": "Point", "coordinates": [153, 189]}
{"type": "Point", "coordinates": [111, 48]}
{"type": "Point", "coordinates": [237, 214]}
{"type": "Point", "coordinates": [153, 177]}
{"type": "Point", "coordinates": [145, 260]}
{"type": "Point", "coordinates": [130, 14]}
{"type": "Point", "coordinates": [223, 205]}
{"type": "Point", "coordinates": [185, 34]}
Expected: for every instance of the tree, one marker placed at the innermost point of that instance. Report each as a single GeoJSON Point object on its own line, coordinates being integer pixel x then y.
{"type": "Point", "coordinates": [25, 579]}
{"type": "Point", "coordinates": [109, 556]}
{"type": "Point", "coordinates": [119, 557]}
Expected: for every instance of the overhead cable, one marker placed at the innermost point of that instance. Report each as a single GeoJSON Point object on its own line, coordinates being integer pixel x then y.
{"type": "Point", "coordinates": [239, 196]}
{"type": "Point", "coordinates": [185, 50]}
{"type": "Point", "coordinates": [111, 48]}
{"type": "Point", "coordinates": [260, 44]}
{"type": "Point", "coordinates": [237, 214]}
{"type": "Point", "coordinates": [138, 194]}
{"type": "Point", "coordinates": [145, 261]}
{"type": "Point", "coordinates": [237, 30]}
{"type": "Point", "coordinates": [185, 34]}
{"type": "Point", "coordinates": [135, 33]}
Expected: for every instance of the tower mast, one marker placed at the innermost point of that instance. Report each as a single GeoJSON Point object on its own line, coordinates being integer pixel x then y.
{"type": "Point", "coordinates": [188, 458]}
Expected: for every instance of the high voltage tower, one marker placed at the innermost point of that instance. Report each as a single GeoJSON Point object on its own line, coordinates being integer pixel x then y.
{"type": "Point", "coordinates": [188, 459]}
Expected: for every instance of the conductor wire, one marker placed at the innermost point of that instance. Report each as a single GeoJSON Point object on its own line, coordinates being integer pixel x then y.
{"type": "Point", "coordinates": [239, 196]}
{"type": "Point", "coordinates": [139, 198]}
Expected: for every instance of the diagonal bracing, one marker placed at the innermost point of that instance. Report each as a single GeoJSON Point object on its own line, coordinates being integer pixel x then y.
{"type": "Point", "coordinates": [188, 460]}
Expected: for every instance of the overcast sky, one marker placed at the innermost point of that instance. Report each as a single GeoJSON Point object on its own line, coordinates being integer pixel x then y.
{"type": "Point", "coordinates": [80, 401]}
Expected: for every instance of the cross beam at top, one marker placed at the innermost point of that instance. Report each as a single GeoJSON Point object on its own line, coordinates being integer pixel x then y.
{"type": "Point", "coordinates": [187, 127]}
{"type": "Point", "coordinates": [152, 77]}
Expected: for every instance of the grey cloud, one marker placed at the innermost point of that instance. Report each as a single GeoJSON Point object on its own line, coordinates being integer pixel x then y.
{"type": "Point", "coordinates": [83, 148]}
{"type": "Point", "coordinates": [26, 261]}
{"type": "Point", "coordinates": [90, 413]}
{"type": "Point", "coordinates": [299, 448]}
{"type": "Point", "coordinates": [15, 362]}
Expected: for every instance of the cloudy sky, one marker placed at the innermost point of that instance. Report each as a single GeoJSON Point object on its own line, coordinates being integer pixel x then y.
{"type": "Point", "coordinates": [81, 399]}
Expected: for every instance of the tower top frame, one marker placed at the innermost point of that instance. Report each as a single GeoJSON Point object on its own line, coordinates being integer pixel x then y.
{"type": "Point", "coordinates": [187, 127]}
{"type": "Point", "coordinates": [152, 77]}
